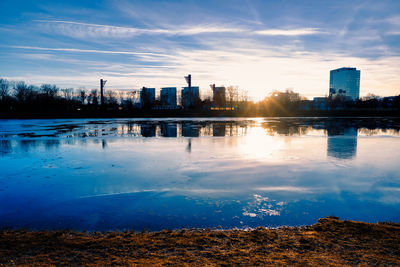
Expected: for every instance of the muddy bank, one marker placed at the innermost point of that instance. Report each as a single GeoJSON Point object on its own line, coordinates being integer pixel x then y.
{"type": "Point", "coordinates": [328, 242]}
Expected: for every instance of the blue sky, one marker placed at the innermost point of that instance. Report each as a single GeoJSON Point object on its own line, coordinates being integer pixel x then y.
{"type": "Point", "coordinates": [259, 46]}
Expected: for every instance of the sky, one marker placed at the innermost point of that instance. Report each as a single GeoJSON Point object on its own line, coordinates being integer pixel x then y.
{"type": "Point", "coordinates": [259, 46]}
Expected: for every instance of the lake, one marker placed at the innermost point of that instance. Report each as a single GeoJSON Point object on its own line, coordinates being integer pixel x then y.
{"type": "Point", "coordinates": [153, 174]}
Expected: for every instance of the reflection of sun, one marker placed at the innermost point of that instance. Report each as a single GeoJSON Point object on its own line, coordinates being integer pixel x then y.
{"type": "Point", "coordinates": [258, 144]}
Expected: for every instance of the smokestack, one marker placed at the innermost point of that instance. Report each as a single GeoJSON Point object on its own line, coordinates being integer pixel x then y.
{"type": "Point", "coordinates": [102, 83]}
{"type": "Point", "coordinates": [212, 87]}
{"type": "Point", "coordinates": [189, 80]}
{"type": "Point", "coordinates": [101, 92]}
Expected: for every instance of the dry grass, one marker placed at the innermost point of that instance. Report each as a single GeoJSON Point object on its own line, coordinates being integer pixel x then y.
{"type": "Point", "coordinates": [329, 242]}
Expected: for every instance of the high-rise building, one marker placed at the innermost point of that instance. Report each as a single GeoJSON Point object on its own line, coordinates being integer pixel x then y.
{"type": "Point", "coordinates": [190, 96]}
{"type": "Point", "coordinates": [345, 82]}
{"type": "Point", "coordinates": [168, 97]}
{"type": "Point", "coordinates": [147, 97]}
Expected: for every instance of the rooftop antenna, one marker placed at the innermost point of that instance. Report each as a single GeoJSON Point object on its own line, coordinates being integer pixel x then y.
{"type": "Point", "coordinates": [102, 83]}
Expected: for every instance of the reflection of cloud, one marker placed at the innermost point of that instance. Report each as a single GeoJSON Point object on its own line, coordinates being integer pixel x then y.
{"type": "Point", "coordinates": [262, 206]}
{"type": "Point", "coordinates": [250, 214]}
{"type": "Point", "coordinates": [169, 190]}
{"type": "Point", "coordinates": [283, 188]}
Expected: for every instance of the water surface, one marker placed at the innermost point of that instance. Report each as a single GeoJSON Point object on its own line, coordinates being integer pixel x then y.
{"type": "Point", "coordinates": [154, 174]}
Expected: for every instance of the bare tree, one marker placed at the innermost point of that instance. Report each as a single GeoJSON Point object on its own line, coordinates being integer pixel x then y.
{"type": "Point", "coordinates": [121, 96]}
{"type": "Point", "coordinates": [4, 88]}
{"type": "Point", "coordinates": [23, 92]}
{"type": "Point", "coordinates": [82, 95]}
{"type": "Point", "coordinates": [93, 97]}
{"type": "Point", "coordinates": [244, 96]}
{"type": "Point", "coordinates": [67, 93]}
{"type": "Point", "coordinates": [233, 95]}
{"type": "Point", "coordinates": [49, 90]}
{"type": "Point", "coordinates": [134, 95]}
{"type": "Point", "coordinates": [370, 96]}
{"type": "Point", "coordinates": [130, 98]}
{"type": "Point", "coordinates": [111, 99]}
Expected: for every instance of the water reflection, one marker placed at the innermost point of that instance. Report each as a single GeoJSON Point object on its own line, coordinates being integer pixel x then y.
{"type": "Point", "coordinates": [169, 129]}
{"type": "Point", "coordinates": [190, 129]}
{"type": "Point", "coordinates": [5, 147]}
{"type": "Point", "coordinates": [341, 134]}
{"type": "Point", "coordinates": [189, 146]}
{"type": "Point", "coordinates": [165, 173]}
{"type": "Point", "coordinates": [103, 144]}
{"type": "Point", "coordinates": [219, 129]}
{"type": "Point", "coordinates": [148, 130]}
{"type": "Point", "coordinates": [342, 142]}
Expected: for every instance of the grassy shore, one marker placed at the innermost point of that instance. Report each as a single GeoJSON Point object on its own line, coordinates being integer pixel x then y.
{"type": "Point", "coordinates": [328, 242]}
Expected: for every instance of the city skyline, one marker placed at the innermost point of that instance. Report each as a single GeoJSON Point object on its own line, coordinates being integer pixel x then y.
{"type": "Point", "coordinates": [258, 46]}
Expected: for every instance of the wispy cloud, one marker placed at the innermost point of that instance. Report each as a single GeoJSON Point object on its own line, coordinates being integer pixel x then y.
{"type": "Point", "coordinates": [291, 32]}
{"type": "Point", "coordinates": [76, 50]}
{"type": "Point", "coordinates": [258, 45]}
{"type": "Point", "coordinates": [393, 33]}
{"type": "Point", "coordinates": [265, 71]}
{"type": "Point", "coordinates": [118, 31]}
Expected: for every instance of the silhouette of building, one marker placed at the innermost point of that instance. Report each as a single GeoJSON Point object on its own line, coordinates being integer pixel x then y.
{"type": "Point", "coordinates": [190, 97]}
{"type": "Point", "coordinates": [345, 82]}
{"type": "Point", "coordinates": [168, 97]}
{"type": "Point", "coordinates": [147, 97]}
{"type": "Point", "coordinates": [219, 96]}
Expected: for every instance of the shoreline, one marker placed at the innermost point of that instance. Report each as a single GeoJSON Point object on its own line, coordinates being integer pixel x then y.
{"type": "Point", "coordinates": [330, 241]}
{"type": "Point", "coordinates": [88, 114]}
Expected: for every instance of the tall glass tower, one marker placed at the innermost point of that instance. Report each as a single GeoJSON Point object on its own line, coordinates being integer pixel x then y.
{"type": "Point", "coordinates": [345, 82]}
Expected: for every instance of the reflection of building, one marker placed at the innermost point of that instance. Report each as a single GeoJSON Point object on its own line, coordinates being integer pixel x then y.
{"type": "Point", "coordinates": [219, 129]}
{"type": "Point", "coordinates": [168, 97]}
{"type": "Point", "coordinates": [342, 142]}
{"type": "Point", "coordinates": [148, 130]}
{"type": "Point", "coordinates": [345, 82]}
{"type": "Point", "coordinates": [190, 96]}
{"type": "Point", "coordinates": [168, 129]}
{"type": "Point", "coordinates": [190, 130]}
{"type": "Point", "coordinates": [147, 97]}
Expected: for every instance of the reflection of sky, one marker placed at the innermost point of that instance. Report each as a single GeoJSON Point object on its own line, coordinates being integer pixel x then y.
{"type": "Point", "coordinates": [265, 174]}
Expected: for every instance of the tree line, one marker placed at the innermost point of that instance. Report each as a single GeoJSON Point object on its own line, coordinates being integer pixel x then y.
{"type": "Point", "coordinates": [23, 100]}
{"type": "Point", "coordinates": [21, 97]}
